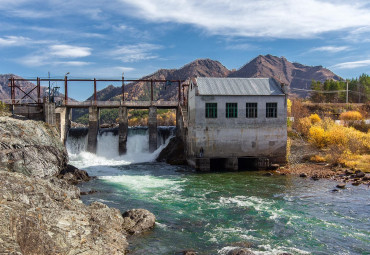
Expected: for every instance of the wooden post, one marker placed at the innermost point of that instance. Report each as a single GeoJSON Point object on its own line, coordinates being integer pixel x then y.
{"type": "Point", "coordinates": [95, 91]}
{"type": "Point", "coordinates": [65, 90]}
{"type": "Point", "coordinates": [38, 90]}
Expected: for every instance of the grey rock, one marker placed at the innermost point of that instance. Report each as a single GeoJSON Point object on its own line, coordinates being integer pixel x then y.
{"type": "Point", "coordinates": [136, 221]}
{"type": "Point", "coordinates": [73, 175]}
{"type": "Point", "coordinates": [366, 177]}
{"type": "Point", "coordinates": [341, 186]}
{"type": "Point", "coordinates": [40, 216]}
{"type": "Point", "coordinates": [31, 147]}
{"type": "Point", "coordinates": [303, 175]}
{"type": "Point", "coordinates": [360, 174]}
{"type": "Point", "coordinates": [240, 251]}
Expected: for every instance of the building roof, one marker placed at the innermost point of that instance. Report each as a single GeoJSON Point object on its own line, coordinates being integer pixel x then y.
{"type": "Point", "coordinates": [238, 86]}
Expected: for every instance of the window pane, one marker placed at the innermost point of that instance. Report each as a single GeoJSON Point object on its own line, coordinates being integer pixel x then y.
{"type": "Point", "coordinates": [251, 110]}
{"type": "Point", "coordinates": [231, 110]}
{"type": "Point", "coordinates": [211, 110]}
{"type": "Point", "coordinates": [271, 110]}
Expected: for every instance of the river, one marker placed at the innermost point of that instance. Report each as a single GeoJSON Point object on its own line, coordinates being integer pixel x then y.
{"type": "Point", "coordinates": [214, 212]}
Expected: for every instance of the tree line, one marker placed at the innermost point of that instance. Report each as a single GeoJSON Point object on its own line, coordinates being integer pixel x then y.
{"type": "Point", "coordinates": [332, 91]}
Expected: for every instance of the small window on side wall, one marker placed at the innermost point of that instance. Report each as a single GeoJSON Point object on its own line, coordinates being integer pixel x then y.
{"type": "Point", "coordinates": [251, 110]}
{"type": "Point", "coordinates": [271, 110]}
{"type": "Point", "coordinates": [231, 110]}
{"type": "Point", "coordinates": [211, 110]}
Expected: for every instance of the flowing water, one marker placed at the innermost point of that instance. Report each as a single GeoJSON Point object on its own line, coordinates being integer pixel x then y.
{"type": "Point", "coordinates": [214, 212]}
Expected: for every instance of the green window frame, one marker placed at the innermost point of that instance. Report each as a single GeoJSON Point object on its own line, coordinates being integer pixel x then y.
{"type": "Point", "coordinates": [251, 110]}
{"type": "Point", "coordinates": [271, 110]}
{"type": "Point", "coordinates": [231, 110]}
{"type": "Point", "coordinates": [211, 110]}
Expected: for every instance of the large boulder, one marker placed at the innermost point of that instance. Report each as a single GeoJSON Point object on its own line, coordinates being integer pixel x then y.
{"type": "Point", "coordinates": [136, 221]}
{"type": "Point", "coordinates": [31, 147]}
{"type": "Point", "coordinates": [40, 216]}
{"type": "Point", "coordinates": [174, 153]}
{"type": "Point", "coordinates": [73, 175]}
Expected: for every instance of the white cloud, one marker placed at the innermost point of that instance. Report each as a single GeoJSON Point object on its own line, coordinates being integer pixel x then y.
{"type": "Point", "coordinates": [134, 53]}
{"type": "Point", "coordinates": [263, 18]}
{"type": "Point", "coordinates": [241, 46]}
{"type": "Point", "coordinates": [331, 49]}
{"type": "Point", "coordinates": [72, 63]}
{"type": "Point", "coordinates": [56, 55]}
{"type": "Point", "coordinates": [69, 51]}
{"type": "Point", "coordinates": [14, 41]}
{"type": "Point", "coordinates": [352, 65]}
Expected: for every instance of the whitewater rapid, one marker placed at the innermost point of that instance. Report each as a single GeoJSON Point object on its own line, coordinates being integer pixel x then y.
{"type": "Point", "coordinates": [107, 151]}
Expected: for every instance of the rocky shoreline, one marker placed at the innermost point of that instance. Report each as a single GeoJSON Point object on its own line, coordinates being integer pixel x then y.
{"type": "Point", "coordinates": [40, 208]}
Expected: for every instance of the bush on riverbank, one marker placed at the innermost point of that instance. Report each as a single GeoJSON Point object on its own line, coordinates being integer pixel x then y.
{"type": "Point", "coordinates": [342, 145]}
{"type": "Point", "coordinates": [4, 110]}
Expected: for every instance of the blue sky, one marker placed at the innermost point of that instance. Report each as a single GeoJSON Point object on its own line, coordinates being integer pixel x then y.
{"type": "Point", "coordinates": [105, 38]}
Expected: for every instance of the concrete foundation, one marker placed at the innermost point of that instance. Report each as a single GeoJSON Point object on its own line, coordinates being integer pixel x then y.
{"type": "Point", "coordinates": [152, 125]}
{"type": "Point", "coordinates": [63, 121]}
{"type": "Point", "coordinates": [49, 113]}
{"type": "Point", "coordinates": [122, 130]}
{"type": "Point", "coordinates": [92, 137]}
{"type": "Point", "coordinates": [35, 112]}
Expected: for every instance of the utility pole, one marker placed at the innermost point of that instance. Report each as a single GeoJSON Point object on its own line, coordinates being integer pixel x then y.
{"type": "Point", "coordinates": [347, 94]}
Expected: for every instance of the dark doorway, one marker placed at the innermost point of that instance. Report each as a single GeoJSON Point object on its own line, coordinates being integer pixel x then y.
{"type": "Point", "coordinates": [218, 164]}
{"type": "Point", "coordinates": [247, 164]}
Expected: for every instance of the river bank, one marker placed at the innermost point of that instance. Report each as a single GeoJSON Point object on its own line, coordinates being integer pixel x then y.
{"type": "Point", "coordinates": [41, 211]}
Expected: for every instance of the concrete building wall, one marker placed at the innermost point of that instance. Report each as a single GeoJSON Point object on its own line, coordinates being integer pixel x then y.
{"type": "Point", "coordinates": [237, 137]}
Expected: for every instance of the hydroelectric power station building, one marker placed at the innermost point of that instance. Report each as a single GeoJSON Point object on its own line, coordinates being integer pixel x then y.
{"type": "Point", "coordinates": [236, 123]}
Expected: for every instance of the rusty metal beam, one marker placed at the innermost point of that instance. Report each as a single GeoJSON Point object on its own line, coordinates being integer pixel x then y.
{"type": "Point", "coordinates": [95, 90]}
{"type": "Point", "coordinates": [38, 90]}
{"type": "Point", "coordinates": [151, 90]}
{"type": "Point", "coordinates": [65, 90]}
{"type": "Point", "coordinates": [123, 88]}
{"type": "Point", "coordinates": [179, 82]}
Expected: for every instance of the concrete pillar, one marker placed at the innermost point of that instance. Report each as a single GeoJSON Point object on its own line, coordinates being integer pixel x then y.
{"type": "Point", "coordinates": [152, 123]}
{"type": "Point", "coordinates": [49, 113]}
{"type": "Point", "coordinates": [178, 122]}
{"type": "Point", "coordinates": [63, 122]}
{"type": "Point", "coordinates": [122, 130]}
{"type": "Point", "coordinates": [92, 138]}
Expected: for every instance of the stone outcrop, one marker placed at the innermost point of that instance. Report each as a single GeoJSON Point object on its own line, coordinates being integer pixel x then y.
{"type": "Point", "coordinates": [46, 217]}
{"type": "Point", "coordinates": [174, 153]}
{"type": "Point", "coordinates": [136, 221]}
{"type": "Point", "coordinates": [73, 175]}
{"type": "Point", "coordinates": [30, 147]}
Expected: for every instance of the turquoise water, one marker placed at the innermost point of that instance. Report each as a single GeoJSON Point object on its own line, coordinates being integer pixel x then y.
{"type": "Point", "coordinates": [213, 212]}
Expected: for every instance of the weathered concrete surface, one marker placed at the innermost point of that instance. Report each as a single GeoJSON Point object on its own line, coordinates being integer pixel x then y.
{"type": "Point", "coordinates": [122, 130]}
{"type": "Point", "coordinates": [136, 221]}
{"type": "Point", "coordinates": [46, 217]}
{"type": "Point", "coordinates": [152, 126]}
{"type": "Point", "coordinates": [63, 122]}
{"type": "Point", "coordinates": [30, 147]}
{"type": "Point", "coordinates": [92, 138]}
{"type": "Point", "coordinates": [49, 113]}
